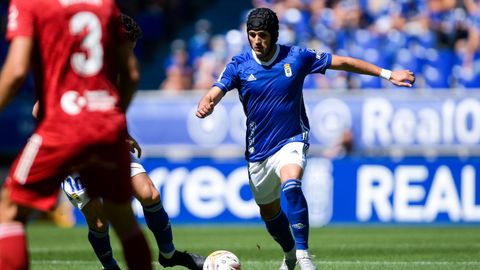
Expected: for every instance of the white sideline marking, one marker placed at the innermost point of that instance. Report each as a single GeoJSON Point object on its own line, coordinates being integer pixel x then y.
{"type": "Point", "coordinates": [62, 262]}
{"type": "Point", "coordinates": [400, 262]}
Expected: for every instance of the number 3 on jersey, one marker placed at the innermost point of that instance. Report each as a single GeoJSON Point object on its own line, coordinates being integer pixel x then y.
{"type": "Point", "coordinates": [90, 61]}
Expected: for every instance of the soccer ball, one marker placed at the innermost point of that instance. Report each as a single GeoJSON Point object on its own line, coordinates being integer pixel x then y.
{"type": "Point", "coordinates": [222, 260]}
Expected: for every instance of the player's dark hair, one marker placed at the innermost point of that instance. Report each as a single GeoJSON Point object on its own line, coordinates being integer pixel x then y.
{"type": "Point", "coordinates": [263, 19]}
{"type": "Point", "coordinates": [132, 30]}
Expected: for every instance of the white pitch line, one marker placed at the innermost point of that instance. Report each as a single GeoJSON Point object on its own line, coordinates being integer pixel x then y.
{"type": "Point", "coordinates": [33, 262]}
{"type": "Point", "coordinates": [402, 262]}
{"type": "Point", "coordinates": [67, 261]}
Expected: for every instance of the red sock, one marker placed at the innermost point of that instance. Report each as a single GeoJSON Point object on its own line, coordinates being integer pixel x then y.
{"type": "Point", "coordinates": [136, 252]}
{"type": "Point", "coordinates": [13, 247]}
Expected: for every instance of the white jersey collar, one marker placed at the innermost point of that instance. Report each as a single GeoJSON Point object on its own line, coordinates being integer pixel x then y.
{"type": "Point", "coordinates": [275, 55]}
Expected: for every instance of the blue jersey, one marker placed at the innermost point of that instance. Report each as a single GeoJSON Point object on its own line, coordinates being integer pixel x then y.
{"type": "Point", "coordinates": [272, 97]}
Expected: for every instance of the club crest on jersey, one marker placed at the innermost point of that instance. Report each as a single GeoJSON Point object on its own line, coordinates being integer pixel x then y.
{"type": "Point", "coordinates": [288, 70]}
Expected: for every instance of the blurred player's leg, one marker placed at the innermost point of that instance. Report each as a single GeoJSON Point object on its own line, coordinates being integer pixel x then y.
{"type": "Point", "coordinates": [13, 244]}
{"type": "Point", "coordinates": [92, 210]}
{"type": "Point", "coordinates": [62, 215]}
{"type": "Point", "coordinates": [100, 242]}
{"type": "Point", "coordinates": [135, 247]}
{"type": "Point", "coordinates": [98, 233]}
{"type": "Point", "coordinates": [159, 223]}
{"type": "Point", "coordinates": [155, 216]}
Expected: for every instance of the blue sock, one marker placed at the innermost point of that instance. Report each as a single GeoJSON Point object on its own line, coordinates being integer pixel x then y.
{"type": "Point", "coordinates": [297, 211]}
{"type": "Point", "coordinates": [159, 223]}
{"type": "Point", "coordinates": [100, 242]}
{"type": "Point", "coordinates": [279, 229]}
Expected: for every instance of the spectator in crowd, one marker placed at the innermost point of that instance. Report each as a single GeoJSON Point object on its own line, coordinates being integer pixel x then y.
{"type": "Point", "coordinates": [179, 72]}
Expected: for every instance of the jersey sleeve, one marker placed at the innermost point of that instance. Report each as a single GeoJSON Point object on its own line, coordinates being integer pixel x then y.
{"type": "Point", "coordinates": [228, 79]}
{"type": "Point", "coordinates": [319, 61]}
{"type": "Point", "coordinates": [20, 19]}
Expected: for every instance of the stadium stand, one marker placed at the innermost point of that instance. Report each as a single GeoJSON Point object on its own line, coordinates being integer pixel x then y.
{"type": "Point", "coordinates": [434, 38]}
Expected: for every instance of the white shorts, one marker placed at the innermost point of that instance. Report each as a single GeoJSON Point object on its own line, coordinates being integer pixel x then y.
{"type": "Point", "coordinates": [265, 175]}
{"type": "Point", "coordinates": [76, 192]}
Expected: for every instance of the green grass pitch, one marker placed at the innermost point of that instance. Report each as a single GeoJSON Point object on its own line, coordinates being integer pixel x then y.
{"type": "Point", "coordinates": [334, 247]}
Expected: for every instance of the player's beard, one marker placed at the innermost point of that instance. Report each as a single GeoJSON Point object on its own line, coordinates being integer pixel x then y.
{"type": "Point", "coordinates": [263, 55]}
{"type": "Point", "coordinates": [270, 50]}
{"type": "Point", "coordinates": [268, 54]}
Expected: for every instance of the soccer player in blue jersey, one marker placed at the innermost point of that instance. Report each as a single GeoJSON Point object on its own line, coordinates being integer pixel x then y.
{"type": "Point", "coordinates": [269, 79]}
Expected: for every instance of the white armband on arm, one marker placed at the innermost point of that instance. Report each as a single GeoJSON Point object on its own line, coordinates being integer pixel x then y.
{"type": "Point", "coordinates": [385, 74]}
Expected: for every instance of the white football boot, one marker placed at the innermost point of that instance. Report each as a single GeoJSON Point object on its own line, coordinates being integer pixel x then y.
{"type": "Point", "coordinates": [304, 260]}
{"type": "Point", "coordinates": [306, 263]}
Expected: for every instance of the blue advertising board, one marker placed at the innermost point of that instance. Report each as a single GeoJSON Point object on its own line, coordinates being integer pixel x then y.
{"type": "Point", "coordinates": [412, 190]}
{"type": "Point", "coordinates": [348, 190]}
{"type": "Point", "coordinates": [407, 120]}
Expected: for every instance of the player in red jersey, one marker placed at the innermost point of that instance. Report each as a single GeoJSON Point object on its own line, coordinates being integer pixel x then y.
{"type": "Point", "coordinates": [144, 191]}
{"type": "Point", "coordinates": [76, 49]}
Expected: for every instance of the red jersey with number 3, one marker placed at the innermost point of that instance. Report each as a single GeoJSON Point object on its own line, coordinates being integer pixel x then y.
{"type": "Point", "coordinates": [82, 127]}
{"type": "Point", "coordinates": [73, 67]}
